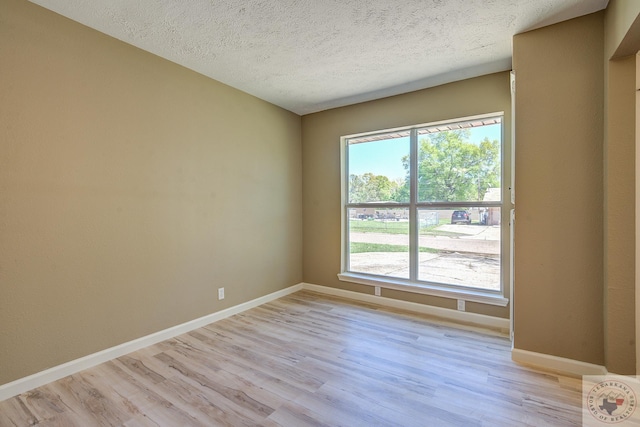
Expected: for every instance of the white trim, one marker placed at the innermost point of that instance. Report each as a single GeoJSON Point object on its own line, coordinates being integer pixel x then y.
{"type": "Point", "coordinates": [413, 285]}
{"type": "Point", "coordinates": [428, 124]}
{"type": "Point", "coordinates": [512, 271]}
{"type": "Point", "coordinates": [443, 313]}
{"type": "Point", "coordinates": [464, 294]}
{"type": "Point", "coordinates": [39, 379]}
{"type": "Point", "coordinates": [556, 364]}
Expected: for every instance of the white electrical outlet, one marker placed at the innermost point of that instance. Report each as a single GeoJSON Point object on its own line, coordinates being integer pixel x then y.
{"type": "Point", "coordinates": [377, 291]}
{"type": "Point", "coordinates": [220, 293]}
{"type": "Point", "coordinates": [460, 305]}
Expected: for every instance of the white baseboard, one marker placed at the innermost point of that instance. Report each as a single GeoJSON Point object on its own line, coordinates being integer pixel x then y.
{"type": "Point", "coordinates": [444, 313]}
{"type": "Point", "coordinates": [39, 379]}
{"type": "Point", "coordinates": [561, 365]}
{"type": "Point", "coordinates": [544, 361]}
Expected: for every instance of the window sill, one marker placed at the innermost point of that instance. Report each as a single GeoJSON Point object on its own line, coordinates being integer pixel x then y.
{"type": "Point", "coordinates": [434, 290]}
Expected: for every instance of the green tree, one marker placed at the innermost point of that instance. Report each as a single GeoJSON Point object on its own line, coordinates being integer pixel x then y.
{"type": "Point", "coordinates": [401, 194]}
{"type": "Point", "coordinates": [371, 188]}
{"type": "Point", "coordinates": [451, 168]}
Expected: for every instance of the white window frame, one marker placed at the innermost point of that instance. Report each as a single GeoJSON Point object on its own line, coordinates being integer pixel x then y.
{"type": "Point", "coordinates": [413, 285]}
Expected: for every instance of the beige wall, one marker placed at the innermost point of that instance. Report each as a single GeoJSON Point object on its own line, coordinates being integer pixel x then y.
{"type": "Point", "coordinates": [321, 167]}
{"type": "Point", "coordinates": [637, 222]}
{"type": "Point", "coordinates": [619, 207]}
{"type": "Point", "coordinates": [622, 28]}
{"type": "Point", "coordinates": [559, 230]}
{"type": "Point", "coordinates": [130, 190]}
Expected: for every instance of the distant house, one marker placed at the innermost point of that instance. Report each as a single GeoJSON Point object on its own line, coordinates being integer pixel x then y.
{"type": "Point", "coordinates": [379, 213]}
{"type": "Point", "coordinates": [491, 216]}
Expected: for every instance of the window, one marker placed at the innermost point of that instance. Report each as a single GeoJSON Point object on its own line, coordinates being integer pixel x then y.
{"type": "Point", "coordinates": [423, 206]}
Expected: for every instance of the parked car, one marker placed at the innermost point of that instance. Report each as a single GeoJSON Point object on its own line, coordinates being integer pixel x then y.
{"type": "Point", "coordinates": [458, 217]}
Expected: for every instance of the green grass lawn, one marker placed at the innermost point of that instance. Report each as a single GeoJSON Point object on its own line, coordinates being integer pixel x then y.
{"type": "Point", "coordinates": [397, 227]}
{"type": "Point", "coordinates": [389, 227]}
{"type": "Point", "coordinates": [361, 247]}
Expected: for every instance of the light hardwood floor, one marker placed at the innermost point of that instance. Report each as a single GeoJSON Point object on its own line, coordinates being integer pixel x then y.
{"type": "Point", "coordinates": [310, 360]}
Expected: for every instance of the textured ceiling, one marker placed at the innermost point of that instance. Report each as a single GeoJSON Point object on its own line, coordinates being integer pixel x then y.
{"type": "Point", "coordinates": [311, 55]}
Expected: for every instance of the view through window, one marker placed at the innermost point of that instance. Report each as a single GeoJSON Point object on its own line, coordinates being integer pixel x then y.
{"type": "Point", "coordinates": [424, 204]}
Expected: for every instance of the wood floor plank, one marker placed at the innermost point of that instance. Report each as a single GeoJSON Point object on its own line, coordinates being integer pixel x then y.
{"type": "Point", "coordinates": [255, 360]}
{"type": "Point", "coordinates": [14, 411]}
{"type": "Point", "coordinates": [292, 414]}
{"type": "Point", "coordinates": [310, 360]}
{"type": "Point", "coordinates": [147, 397]}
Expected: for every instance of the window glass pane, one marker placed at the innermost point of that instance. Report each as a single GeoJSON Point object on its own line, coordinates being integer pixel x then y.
{"type": "Point", "coordinates": [460, 246]}
{"type": "Point", "coordinates": [379, 241]}
{"type": "Point", "coordinates": [379, 168]}
{"type": "Point", "coordinates": [458, 162]}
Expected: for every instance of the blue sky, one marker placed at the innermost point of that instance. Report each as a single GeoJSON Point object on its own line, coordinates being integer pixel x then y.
{"type": "Point", "coordinates": [385, 157]}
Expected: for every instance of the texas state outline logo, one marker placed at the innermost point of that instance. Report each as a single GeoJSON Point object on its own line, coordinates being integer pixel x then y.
{"type": "Point", "coordinates": [610, 400]}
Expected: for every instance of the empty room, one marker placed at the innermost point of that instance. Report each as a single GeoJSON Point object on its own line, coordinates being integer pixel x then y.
{"type": "Point", "coordinates": [319, 213]}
